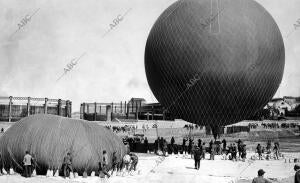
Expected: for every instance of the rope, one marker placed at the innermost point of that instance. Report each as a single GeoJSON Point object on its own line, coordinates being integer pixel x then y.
{"type": "Point", "coordinates": [13, 158]}
{"type": "Point", "coordinates": [249, 163]}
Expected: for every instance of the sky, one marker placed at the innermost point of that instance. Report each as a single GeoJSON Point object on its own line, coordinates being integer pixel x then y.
{"type": "Point", "coordinates": [111, 64]}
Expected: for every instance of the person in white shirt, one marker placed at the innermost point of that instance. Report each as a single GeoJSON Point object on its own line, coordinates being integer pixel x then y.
{"type": "Point", "coordinates": [27, 164]}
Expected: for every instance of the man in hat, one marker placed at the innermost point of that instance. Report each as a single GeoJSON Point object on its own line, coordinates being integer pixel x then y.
{"type": "Point", "coordinates": [297, 174]}
{"type": "Point", "coordinates": [260, 178]}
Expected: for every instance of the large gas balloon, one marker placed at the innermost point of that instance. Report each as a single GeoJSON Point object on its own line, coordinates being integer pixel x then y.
{"type": "Point", "coordinates": [214, 62]}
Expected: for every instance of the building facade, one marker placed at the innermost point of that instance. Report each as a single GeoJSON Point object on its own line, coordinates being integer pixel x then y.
{"type": "Point", "coordinates": [134, 109]}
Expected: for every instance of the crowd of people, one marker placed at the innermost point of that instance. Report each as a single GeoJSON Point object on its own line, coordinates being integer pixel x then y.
{"type": "Point", "coordinates": [272, 125]}
{"type": "Point", "coordinates": [253, 125]}
{"type": "Point", "coordinates": [116, 166]}
{"type": "Point", "coordinates": [198, 149]}
{"type": "Point", "coordinates": [260, 150]}
{"type": "Point", "coordinates": [123, 129]}
{"type": "Point", "coordinates": [192, 127]}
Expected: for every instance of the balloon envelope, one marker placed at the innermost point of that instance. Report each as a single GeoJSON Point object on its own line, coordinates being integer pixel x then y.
{"type": "Point", "coordinates": [214, 62]}
{"type": "Point", "coordinates": [49, 138]}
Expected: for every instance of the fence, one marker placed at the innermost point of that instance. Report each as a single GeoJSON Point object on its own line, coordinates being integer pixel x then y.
{"type": "Point", "coordinates": [15, 108]}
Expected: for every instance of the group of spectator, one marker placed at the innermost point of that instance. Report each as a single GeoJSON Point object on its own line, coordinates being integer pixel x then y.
{"type": "Point", "coordinates": [124, 129]}
{"type": "Point", "coordinates": [145, 128]}
{"type": "Point", "coordinates": [253, 125]}
{"type": "Point", "coordinates": [161, 144]}
{"type": "Point", "coordinates": [236, 150]}
{"type": "Point", "coordinates": [273, 125]}
{"type": "Point", "coordinates": [192, 127]}
{"type": "Point", "coordinates": [276, 125]}
{"type": "Point", "coordinates": [268, 151]}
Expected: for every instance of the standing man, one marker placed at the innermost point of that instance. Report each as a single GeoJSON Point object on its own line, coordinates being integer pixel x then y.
{"type": "Point", "coordinates": [67, 164]}
{"type": "Point", "coordinates": [197, 158]}
{"type": "Point", "coordinates": [234, 152]}
{"type": "Point", "coordinates": [199, 143]}
{"type": "Point", "coordinates": [260, 178]}
{"type": "Point", "coordinates": [146, 145]}
{"type": "Point", "coordinates": [172, 144]}
{"type": "Point", "coordinates": [213, 151]}
{"type": "Point", "coordinates": [297, 174]}
{"type": "Point", "coordinates": [259, 151]}
{"type": "Point", "coordinates": [239, 147]}
{"type": "Point", "coordinates": [165, 147]}
{"type": "Point", "coordinates": [105, 163]}
{"type": "Point", "coordinates": [183, 146]}
{"type": "Point", "coordinates": [190, 145]}
{"type": "Point", "coordinates": [172, 141]}
{"type": "Point", "coordinates": [27, 164]}
{"type": "Point", "coordinates": [224, 145]}
{"type": "Point", "coordinates": [203, 150]}
{"type": "Point", "coordinates": [161, 143]}
{"type": "Point", "coordinates": [244, 152]}
{"type": "Point", "coordinates": [156, 145]}
{"type": "Point", "coordinates": [210, 145]}
{"type": "Point", "coordinates": [276, 151]}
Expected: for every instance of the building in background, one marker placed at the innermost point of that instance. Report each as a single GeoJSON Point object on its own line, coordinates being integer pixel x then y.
{"type": "Point", "coordinates": [286, 106]}
{"type": "Point", "coordinates": [134, 109]}
{"type": "Point", "coordinates": [14, 108]}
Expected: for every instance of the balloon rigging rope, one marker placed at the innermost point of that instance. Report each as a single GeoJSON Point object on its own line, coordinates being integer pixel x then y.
{"type": "Point", "coordinates": [13, 158]}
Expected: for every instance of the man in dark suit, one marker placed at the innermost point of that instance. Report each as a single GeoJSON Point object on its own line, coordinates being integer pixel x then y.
{"type": "Point", "coordinates": [297, 174]}
{"type": "Point", "coordinates": [197, 157]}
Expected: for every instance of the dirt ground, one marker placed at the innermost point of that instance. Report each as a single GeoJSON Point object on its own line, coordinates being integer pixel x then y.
{"type": "Point", "coordinates": [180, 169]}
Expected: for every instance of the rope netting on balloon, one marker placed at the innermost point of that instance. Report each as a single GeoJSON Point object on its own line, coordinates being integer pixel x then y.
{"type": "Point", "coordinates": [214, 62]}
{"type": "Point", "coordinates": [49, 138]}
